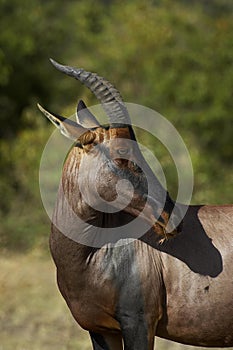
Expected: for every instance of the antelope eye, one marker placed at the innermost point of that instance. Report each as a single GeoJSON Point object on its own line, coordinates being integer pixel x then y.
{"type": "Point", "coordinates": [123, 151]}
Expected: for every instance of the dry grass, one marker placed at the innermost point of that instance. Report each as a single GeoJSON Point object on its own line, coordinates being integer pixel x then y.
{"type": "Point", "coordinates": [33, 315]}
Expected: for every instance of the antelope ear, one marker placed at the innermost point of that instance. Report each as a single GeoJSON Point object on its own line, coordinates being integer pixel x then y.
{"type": "Point", "coordinates": [85, 117]}
{"type": "Point", "coordinates": [67, 127]}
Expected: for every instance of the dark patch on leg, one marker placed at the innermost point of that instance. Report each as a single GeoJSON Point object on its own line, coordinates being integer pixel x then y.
{"type": "Point", "coordinates": [130, 311]}
{"type": "Point", "coordinates": [108, 341]}
{"type": "Point", "coordinates": [135, 332]}
{"type": "Point", "coordinates": [98, 342]}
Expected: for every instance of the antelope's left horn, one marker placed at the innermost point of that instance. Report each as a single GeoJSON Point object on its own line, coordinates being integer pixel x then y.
{"type": "Point", "coordinates": [104, 91]}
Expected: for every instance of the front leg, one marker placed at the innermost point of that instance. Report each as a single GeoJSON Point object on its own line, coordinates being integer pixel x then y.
{"type": "Point", "coordinates": [136, 333]}
{"type": "Point", "coordinates": [106, 341]}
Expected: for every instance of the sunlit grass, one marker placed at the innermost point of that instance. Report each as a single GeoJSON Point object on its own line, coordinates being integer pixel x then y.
{"type": "Point", "coordinates": [33, 316]}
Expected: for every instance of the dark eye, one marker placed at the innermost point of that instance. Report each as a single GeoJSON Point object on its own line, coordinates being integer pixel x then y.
{"type": "Point", "coordinates": [123, 151]}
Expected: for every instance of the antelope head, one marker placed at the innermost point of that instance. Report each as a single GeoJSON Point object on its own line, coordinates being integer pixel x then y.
{"type": "Point", "coordinates": [106, 181]}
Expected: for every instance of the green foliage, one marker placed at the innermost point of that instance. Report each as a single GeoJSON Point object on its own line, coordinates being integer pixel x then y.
{"type": "Point", "coordinates": [172, 56]}
{"type": "Point", "coordinates": [23, 221]}
{"type": "Point", "coordinates": [168, 64]}
{"type": "Point", "coordinates": [30, 33]}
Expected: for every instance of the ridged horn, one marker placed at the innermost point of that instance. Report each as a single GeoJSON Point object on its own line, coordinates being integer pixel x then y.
{"type": "Point", "coordinates": [104, 91]}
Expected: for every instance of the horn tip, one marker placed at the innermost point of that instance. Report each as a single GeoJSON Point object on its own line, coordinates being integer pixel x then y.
{"type": "Point", "coordinates": [52, 60]}
{"type": "Point", "coordinates": [43, 110]}
{"type": "Point", "coordinates": [56, 64]}
{"type": "Point", "coordinates": [39, 107]}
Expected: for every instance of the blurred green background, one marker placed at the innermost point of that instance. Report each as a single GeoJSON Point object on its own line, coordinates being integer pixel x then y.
{"type": "Point", "coordinates": [172, 56]}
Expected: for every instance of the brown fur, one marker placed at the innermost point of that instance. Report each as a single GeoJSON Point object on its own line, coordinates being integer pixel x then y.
{"type": "Point", "coordinates": [180, 290]}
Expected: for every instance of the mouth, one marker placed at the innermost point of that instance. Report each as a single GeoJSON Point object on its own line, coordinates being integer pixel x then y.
{"type": "Point", "coordinates": [163, 225]}
{"type": "Point", "coordinates": [158, 219]}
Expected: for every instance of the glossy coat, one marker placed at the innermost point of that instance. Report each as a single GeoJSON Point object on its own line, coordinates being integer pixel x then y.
{"type": "Point", "coordinates": [124, 294]}
{"type": "Point", "coordinates": [180, 290]}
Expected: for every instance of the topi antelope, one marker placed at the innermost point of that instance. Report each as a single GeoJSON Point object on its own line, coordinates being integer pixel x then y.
{"type": "Point", "coordinates": [123, 287]}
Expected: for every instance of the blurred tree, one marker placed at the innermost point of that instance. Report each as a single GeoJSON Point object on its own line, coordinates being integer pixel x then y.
{"type": "Point", "coordinates": [30, 33]}
{"type": "Point", "coordinates": [177, 59]}
{"type": "Point", "coordinates": [214, 8]}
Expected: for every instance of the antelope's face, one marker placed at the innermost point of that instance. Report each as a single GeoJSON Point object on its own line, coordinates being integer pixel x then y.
{"type": "Point", "coordinates": [110, 174]}
{"type": "Point", "coordinates": [111, 168]}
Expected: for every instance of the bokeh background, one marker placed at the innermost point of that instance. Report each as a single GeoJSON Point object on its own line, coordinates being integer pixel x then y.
{"type": "Point", "coordinates": [172, 56]}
